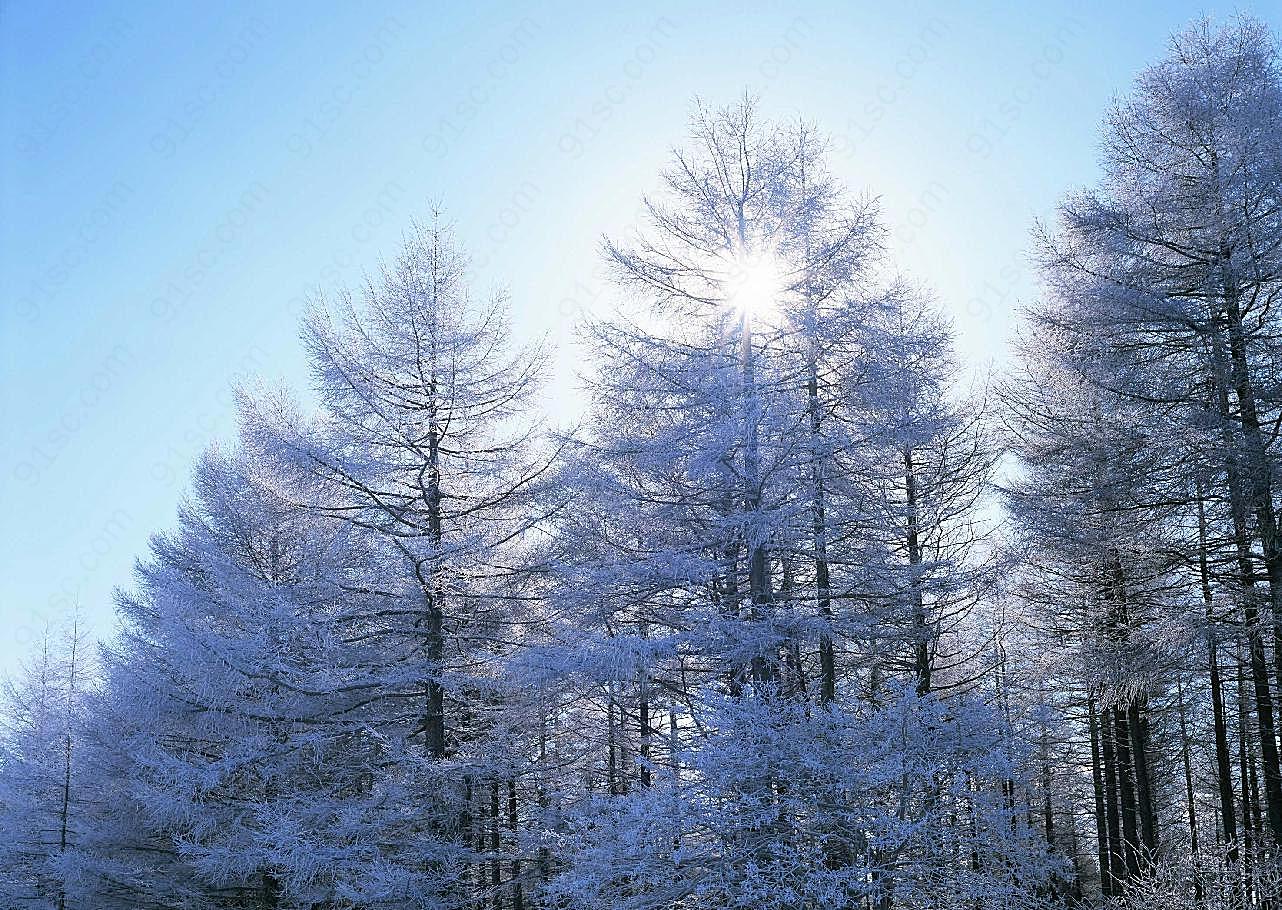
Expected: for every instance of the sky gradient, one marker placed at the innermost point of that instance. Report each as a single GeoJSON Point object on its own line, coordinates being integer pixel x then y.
{"type": "Point", "coordinates": [175, 183]}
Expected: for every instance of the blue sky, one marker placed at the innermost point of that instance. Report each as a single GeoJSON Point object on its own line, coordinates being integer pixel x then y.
{"type": "Point", "coordinates": [174, 182]}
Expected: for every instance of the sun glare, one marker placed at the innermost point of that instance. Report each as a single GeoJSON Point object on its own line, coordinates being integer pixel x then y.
{"type": "Point", "coordinates": [755, 284]}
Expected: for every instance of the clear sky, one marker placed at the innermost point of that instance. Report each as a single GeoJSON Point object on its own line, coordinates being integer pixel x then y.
{"type": "Point", "coordinates": [175, 178]}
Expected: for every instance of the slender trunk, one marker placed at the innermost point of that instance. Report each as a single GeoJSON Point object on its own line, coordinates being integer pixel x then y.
{"type": "Point", "coordinates": [545, 853]}
{"type": "Point", "coordinates": [1188, 788]}
{"type": "Point", "coordinates": [1117, 868]}
{"type": "Point", "coordinates": [1249, 820]}
{"type": "Point", "coordinates": [674, 759]}
{"type": "Point", "coordinates": [1048, 809]}
{"type": "Point", "coordinates": [758, 564]}
{"type": "Point", "coordinates": [1264, 717]}
{"type": "Point", "coordinates": [1104, 851]}
{"type": "Point", "coordinates": [1138, 722]}
{"type": "Point", "coordinates": [1126, 789]}
{"type": "Point", "coordinates": [921, 629]}
{"type": "Point", "coordinates": [818, 465]}
{"type": "Point", "coordinates": [518, 896]}
{"type": "Point", "coordinates": [68, 716]}
{"type": "Point", "coordinates": [480, 864]}
{"type": "Point", "coordinates": [1224, 773]}
{"type": "Point", "coordinates": [1250, 617]}
{"type": "Point", "coordinates": [1255, 469]}
{"type": "Point", "coordinates": [611, 744]}
{"type": "Point", "coordinates": [819, 536]}
{"type": "Point", "coordinates": [496, 872]}
{"type": "Point", "coordinates": [435, 721]}
{"type": "Point", "coordinates": [1074, 840]}
{"type": "Point", "coordinates": [644, 728]}
{"type": "Point", "coordinates": [465, 825]}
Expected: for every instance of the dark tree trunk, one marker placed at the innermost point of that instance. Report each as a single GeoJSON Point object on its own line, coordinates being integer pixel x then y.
{"type": "Point", "coordinates": [644, 730]}
{"type": "Point", "coordinates": [1250, 820]}
{"type": "Point", "coordinates": [611, 745]}
{"type": "Point", "coordinates": [1255, 468]}
{"type": "Point", "coordinates": [1117, 867]}
{"type": "Point", "coordinates": [435, 720]}
{"type": "Point", "coordinates": [1223, 767]}
{"type": "Point", "coordinates": [1101, 812]}
{"type": "Point", "coordinates": [1188, 789]}
{"type": "Point", "coordinates": [1250, 612]}
{"type": "Point", "coordinates": [1137, 715]}
{"type": "Point", "coordinates": [1126, 788]}
{"type": "Point", "coordinates": [1048, 808]}
{"type": "Point", "coordinates": [518, 895]}
{"type": "Point", "coordinates": [921, 628]}
{"type": "Point", "coordinates": [819, 538]}
{"type": "Point", "coordinates": [496, 870]}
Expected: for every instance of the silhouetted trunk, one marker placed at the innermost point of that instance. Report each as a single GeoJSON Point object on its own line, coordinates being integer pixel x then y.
{"type": "Point", "coordinates": [1116, 862]}
{"type": "Point", "coordinates": [518, 894]}
{"type": "Point", "coordinates": [1188, 788]}
{"type": "Point", "coordinates": [1048, 808]}
{"type": "Point", "coordinates": [1101, 812]}
{"type": "Point", "coordinates": [480, 864]}
{"type": "Point", "coordinates": [496, 871]}
{"type": "Point", "coordinates": [545, 853]}
{"type": "Point", "coordinates": [1137, 717]}
{"type": "Point", "coordinates": [1255, 468]}
{"type": "Point", "coordinates": [611, 745]}
{"type": "Point", "coordinates": [1126, 790]}
{"type": "Point", "coordinates": [1223, 768]}
{"type": "Point", "coordinates": [819, 539]}
{"type": "Point", "coordinates": [644, 730]}
{"type": "Point", "coordinates": [921, 629]}
{"type": "Point", "coordinates": [435, 618]}
{"type": "Point", "coordinates": [758, 562]}
{"type": "Point", "coordinates": [1244, 775]}
{"type": "Point", "coordinates": [465, 822]}
{"type": "Point", "coordinates": [1250, 613]}
{"type": "Point", "coordinates": [64, 813]}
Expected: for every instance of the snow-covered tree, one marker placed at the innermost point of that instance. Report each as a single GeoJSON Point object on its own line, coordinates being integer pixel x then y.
{"type": "Point", "coordinates": [777, 462]}
{"type": "Point", "coordinates": [755, 634]}
{"type": "Point", "coordinates": [425, 450]}
{"type": "Point", "coordinates": [41, 776]}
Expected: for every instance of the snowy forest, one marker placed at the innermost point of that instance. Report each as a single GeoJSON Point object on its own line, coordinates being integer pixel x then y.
{"type": "Point", "coordinates": [804, 613]}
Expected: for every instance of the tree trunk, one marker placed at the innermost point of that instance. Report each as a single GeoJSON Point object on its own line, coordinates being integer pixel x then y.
{"type": "Point", "coordinates": [611, 745]}
{"type": "Point", "coordinates": [819, 538]}
{"type": "Point", "coordinates": [1048, 807]}
{"type": "Point", "coordinates": [518, 896]}
{"type": "Point", "coordinates": [921, 629]}
{"type": "Point", "coordinates": [644, 729]}
{"type": "Point", "coordinates": [1223, 768]}
{"type": "Point", "coordinates": [68, 715]}
{"type": "Point", "coordinates": [496, 869]}
{"type": "Point", "coordinates": [1117, 868]}
{"type": "Point", "coordinates": [1255, 644]}
{"type": "Point", "coordinates": [435, 721]}
{"type": "Point", "coordinates": [1126, 788]}
{"type": "Point", "coordinates": [758, 564]}
{"type": "Point", "coordinates": [1137, 716]}
{"type": "Point", "coordinates": [1104, 850]}
{"type": "Point", "coordinates": [1188, 789]}
{"type": "Point", "coordinates": [1249, 819]}
{"type": "Point", "coordinates": [1255, 469]}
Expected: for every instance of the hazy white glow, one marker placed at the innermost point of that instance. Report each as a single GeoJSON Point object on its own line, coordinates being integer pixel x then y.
{"type": "Point", "coordinates": [756, 284]}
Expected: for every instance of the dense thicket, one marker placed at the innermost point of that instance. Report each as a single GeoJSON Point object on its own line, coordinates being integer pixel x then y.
{"type": "Point", "coordinates": [798, 618]}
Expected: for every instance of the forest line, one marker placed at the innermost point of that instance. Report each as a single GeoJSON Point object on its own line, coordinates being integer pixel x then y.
{"type": "Point", "coordinates": [798, 617]}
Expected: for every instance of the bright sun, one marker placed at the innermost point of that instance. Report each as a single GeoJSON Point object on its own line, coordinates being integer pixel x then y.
{"type": "Point", "coordinates": [755, 284]}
